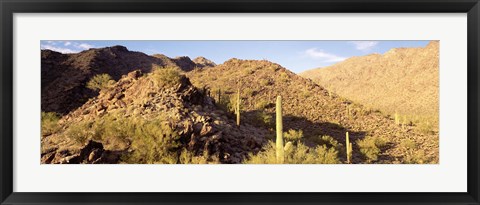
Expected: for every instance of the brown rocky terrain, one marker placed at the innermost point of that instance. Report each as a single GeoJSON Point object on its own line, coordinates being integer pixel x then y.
{"type": "Point", "coordinates": [198, 125]}
{"type": "Point", "coordinates": [165, 110]}
{"type": "Point", "coordinates": [309, 107]}
{"type": "Point", "coordinates": [403, 81]}
{"type": "Point", "coordinates": [64, 76]}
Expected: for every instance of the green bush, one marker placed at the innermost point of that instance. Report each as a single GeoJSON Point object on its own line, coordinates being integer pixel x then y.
{"type": "Point", "coordinates": [371, 147]}
{"type": "Point", "coordinates": [284, 77]}
{"type": "Point", "coordinates": [293, 135]}
{"type": "Point", "coordinates": [413, 155]}
{"type": "Point", "coordinates": [298, 154]}
{"type": "Point", "coordinates": [264, 119]}
{"type": "Point", "coordinates": [49, 123]}
{"type": "Point", "coordinates": [153, 142]}
{"type": "Point", "coordinates": [262, 104]}
{"type": "Point", "coordinates": [187, 157]}
{"type": "Point", "coordinates": [247, 92]}
{"type": "Point", "coordinates": [166, 76]}
{"type": "Point", "coordinates": [80, 132]}
{"type": "Point", "coordinates": [328, 141]}
{"type": "Point", "coordinates": [225, 103]}
{"type": "Point", "coordinates": [150, 141]}
{"type": "Point", "coordinates": [264, 82]}
{"type": "Point", "coordinates": [100, 81]}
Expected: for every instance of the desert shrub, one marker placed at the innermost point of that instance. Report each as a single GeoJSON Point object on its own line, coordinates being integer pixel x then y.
{"type": "Point", "coordinates": [264, 119]}
{"type": "Point", "coordinates": [327, 141]}
{"type": "Point", "coordinates": [225, 103]}
{"type": "Point", "coordinates": [306, 94]}
{"type": "Point", "coordinates": [293, 135]}
{"type": "Point", "coordinates": [154, 142]}
{"type": "Point", "coordinates": [149, 140]}
{"type": "Point", "coordinates": [114, 131]}
{"type": "Point", "coordinates": [232, 102]}
{"type": "Point", "coordinates": [284, 77]}
{"type": "Point", "coordinates": [425, 127]}
{"type": "Point", "coordinates": [80, 132]}
{"type": "Point", "coordinates": [100, 81]}
{"type": "Point", "coordinates": [370, 147]}
{"type": "Point", "coordinates": [248, 71]}
{"type": "Point", "coordinates": [49, 123]}
{"type": "Point", "coordinates": [188, 157]}
{"type": "Point", "coordinates": [264, 82]}
{"type": "Point", "coordinates": [262, 104]}
{"type": "Point", "coordinates": [413, 155]}
{"type": "Point", "coordinates": [273, 68]}
{"type": "Point", "coordinates": [267, 156]}
{"type": "Point", "coordinates": [166, 76]}
{"type": "Point", "coordinates": [298, 154]}
{"type": "Point", "coordinates": [425, 124]}
{"type": "Point", "coordinates": [248, 92]}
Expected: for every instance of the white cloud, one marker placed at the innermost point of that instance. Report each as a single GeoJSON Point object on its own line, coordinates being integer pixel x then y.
{"type": "Point", "coordinates": [58, 49]}
{"type": "Point", "coordinates": [83, 46]}
{"type": "Point", "coordinates": [65, 46]}
{"type": "Point", "coordinates": [320, 54]}
{"type": "Point", "coordinates": [364, 45]}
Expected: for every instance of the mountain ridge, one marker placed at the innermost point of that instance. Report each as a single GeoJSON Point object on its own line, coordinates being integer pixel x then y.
{"type": "Point", "coordinates": [64, 76]}
{"type": "Point", "coordinates": [403, 81]}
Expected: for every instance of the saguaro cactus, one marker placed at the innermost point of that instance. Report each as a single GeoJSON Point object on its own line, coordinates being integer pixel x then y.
{"type": "Point", "coordinates": [237, 107]}
{"type": "Point", "coordinates": [219, 95]}
{"type": "Point", "coordinates": [349, 148]}
{"type": "Point", "coordinates": [279, 142]}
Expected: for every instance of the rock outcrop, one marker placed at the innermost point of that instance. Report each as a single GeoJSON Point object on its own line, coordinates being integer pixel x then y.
{"type": "Point", "coordinates": [201, 126]}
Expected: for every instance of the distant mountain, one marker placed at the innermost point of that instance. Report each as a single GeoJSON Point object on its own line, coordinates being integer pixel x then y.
{"type": "Point", "coordinates": [64, 76]}
{"type": "Point", "coordinates": [403, 80]}
{"type": "Point", "coordinates": [202, 62]}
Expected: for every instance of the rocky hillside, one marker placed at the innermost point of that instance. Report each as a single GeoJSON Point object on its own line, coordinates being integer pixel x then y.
{"type": "Point", "coordinates": [403, 81]}
{"type": "Point", "coordinates": [64, 76]}
{"type": "Point", "coordinates": [310, 108]}
{"type": "Point", "coordinates": [150, 118]}
{"type": "Point", "coordinates": [177, 110]}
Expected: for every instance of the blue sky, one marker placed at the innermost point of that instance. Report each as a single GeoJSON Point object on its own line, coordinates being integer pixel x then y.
{"type": "Point", "coordinates": [296, 56]}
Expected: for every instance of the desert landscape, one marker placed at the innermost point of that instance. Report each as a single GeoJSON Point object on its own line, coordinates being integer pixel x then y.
{"type": "Point", "coordinates": [111, 105]}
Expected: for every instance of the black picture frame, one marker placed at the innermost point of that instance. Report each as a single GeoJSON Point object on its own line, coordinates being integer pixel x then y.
{"type": "Point", "coordinates": [9, 7]}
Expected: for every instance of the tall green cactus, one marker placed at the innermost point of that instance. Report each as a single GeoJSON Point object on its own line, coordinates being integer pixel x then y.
{"type": "Point", "coordinates": [237, 107]}
{"type": "Point", "coordinates": [349, 148]}
{"type": "Point", "coordinates": [219, 95]}
{"type": "Point", "coordinates": [279, 142]}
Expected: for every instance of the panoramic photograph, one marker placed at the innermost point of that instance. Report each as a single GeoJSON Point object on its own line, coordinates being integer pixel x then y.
{"type": "Point", "coordinates": [239, 102]}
